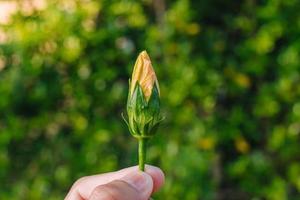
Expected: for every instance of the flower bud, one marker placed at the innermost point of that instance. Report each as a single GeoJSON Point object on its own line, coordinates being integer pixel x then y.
{"type": "Point", "coordinates": [143, 103]}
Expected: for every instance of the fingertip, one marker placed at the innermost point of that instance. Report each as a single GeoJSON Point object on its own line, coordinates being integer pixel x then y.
{"type": "Point", "coordinates": [141, 181]}
{"type": "Point", "coordinates": [157, 176]}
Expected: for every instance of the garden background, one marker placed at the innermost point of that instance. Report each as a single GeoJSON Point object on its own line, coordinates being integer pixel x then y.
{"type": "Point", "coordinates": [230, 92]}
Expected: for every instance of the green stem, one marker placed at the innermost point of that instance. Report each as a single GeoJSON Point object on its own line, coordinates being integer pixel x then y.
{"type": "Point", "coordinates": [142, 153]}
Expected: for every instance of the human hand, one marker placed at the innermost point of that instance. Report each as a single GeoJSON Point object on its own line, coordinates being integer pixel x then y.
{"type": "Point", "coordinates": [126, 184]}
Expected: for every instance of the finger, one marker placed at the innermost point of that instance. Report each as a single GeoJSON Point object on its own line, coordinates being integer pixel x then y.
{"type": "Point", "coordinates": [155, 172]}
{"type": "Point", "coordinates": [134, 186]}
{"type": "Point", "coordinates": [157, 175]}
{"type": "Point", "coordinates": [83, 188]}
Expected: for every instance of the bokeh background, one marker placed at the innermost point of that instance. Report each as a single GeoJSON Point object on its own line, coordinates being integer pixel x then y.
{"type": "Point", "coordinates": [230, 91]}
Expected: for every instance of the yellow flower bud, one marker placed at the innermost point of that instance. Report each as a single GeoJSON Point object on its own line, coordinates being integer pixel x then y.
{"type": "Point", "coordinates": [143, 73]}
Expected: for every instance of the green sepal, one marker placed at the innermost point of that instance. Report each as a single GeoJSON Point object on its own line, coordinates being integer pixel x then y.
{"type": "Point", "coordinates": [127, 123]}
{"type": "Point", "coordinates": [143, 116]}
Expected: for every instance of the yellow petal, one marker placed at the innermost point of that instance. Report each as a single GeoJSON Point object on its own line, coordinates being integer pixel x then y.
{"type": "Point", "coordinates": [143, 73]}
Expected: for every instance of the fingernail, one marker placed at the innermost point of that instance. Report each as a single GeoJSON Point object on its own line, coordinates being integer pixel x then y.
{"type": "Point", "coordinates": [141, 181]}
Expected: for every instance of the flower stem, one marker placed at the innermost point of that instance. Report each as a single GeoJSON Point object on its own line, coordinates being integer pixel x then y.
{"type": "Point", "coordinates": [142, 153]}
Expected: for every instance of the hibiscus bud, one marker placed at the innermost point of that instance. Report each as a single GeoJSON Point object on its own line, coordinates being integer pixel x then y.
{"type": "Point", "coordinates": [143, 103]}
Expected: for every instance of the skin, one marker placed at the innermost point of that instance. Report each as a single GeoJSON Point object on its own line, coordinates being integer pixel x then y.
{"type": "Point", "coordinates": [126, 184]}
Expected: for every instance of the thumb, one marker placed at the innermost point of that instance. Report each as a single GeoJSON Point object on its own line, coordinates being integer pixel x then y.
{"type": "Point", "coordinates": [134, 186]}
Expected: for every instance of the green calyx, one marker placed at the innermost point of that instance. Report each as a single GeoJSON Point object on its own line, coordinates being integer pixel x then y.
{"type": "Point", "coordinates": [143, 116]}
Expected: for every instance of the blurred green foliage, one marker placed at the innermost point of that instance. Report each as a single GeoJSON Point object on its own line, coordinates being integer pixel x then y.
{"type": "Point", "coordinates": [230, 89]}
